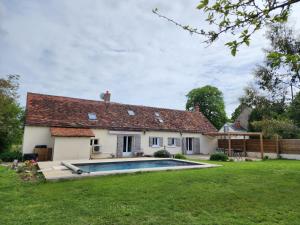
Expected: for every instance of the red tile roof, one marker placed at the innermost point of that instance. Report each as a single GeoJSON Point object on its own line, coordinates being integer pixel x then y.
{"type": "Point", "coordinates": [71, 132]}
{"type": "Point", "coordinates": [56, 111]}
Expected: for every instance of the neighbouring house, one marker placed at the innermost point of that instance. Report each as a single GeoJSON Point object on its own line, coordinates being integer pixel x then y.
{"type": "Point", "coordinates": [83, 129]}
{"type": "Point", "coordinates": [241, 123]}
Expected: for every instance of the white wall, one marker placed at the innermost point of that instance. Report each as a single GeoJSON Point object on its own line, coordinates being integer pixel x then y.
{"type": "Point", "coordinates": [68, 148]}
{"type": "Point", "coordinates": [36, 136]}
{"type": "Point", "coordinates": [274, 155]}
{"type": "Point", "coordinates": [108, 141]}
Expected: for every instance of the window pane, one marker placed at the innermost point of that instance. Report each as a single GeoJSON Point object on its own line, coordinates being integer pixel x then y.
{"type": "Point", "coordinates": [124, 143]}
{"type": "Point", "coordinates": [95, 141]}
{"type": "Point", "coordinates": [155, 141]}
{"type": "Point", "coordinates": [129, 144]}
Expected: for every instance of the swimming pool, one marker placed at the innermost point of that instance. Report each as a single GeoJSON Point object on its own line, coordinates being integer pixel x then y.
{"type": "Point", "coordinates": [133, 165]}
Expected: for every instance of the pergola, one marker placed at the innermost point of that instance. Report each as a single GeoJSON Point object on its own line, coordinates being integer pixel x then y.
{"type": "Point", "coordinates": [243, 134]}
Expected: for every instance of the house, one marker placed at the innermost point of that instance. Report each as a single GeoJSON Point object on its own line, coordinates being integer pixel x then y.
{"type": "Point", "coordinates": [241, 123]}
{"type": "Point", "coordinates": [83, 129]}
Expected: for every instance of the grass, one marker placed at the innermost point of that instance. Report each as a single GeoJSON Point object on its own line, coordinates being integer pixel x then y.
{"type": "Point", "coordinates": [238, 193]}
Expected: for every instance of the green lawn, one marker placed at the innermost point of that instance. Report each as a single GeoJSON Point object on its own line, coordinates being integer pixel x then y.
{"type": "Point", "coordinates": [237, 193]}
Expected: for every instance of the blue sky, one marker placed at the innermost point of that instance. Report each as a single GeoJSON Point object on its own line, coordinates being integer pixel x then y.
{"type": "Point", "coordinates": [80, 48]}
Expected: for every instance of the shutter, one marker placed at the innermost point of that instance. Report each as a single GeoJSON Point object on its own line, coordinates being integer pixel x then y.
{"type": "Point", "coordinates": [136, 143]}
{"type": "Point", "coordinates": [161, 141]}
{"type": "Point", "coordinates": [183, 146]}
{"type": "Point", "coordinates": [169, 141]}
{"type": "Point", "coordinates": [177, 141]}
{"type": "Point", "coordinates": [120, 145]}
{"type": "Point", "coordinates": [196, 145]}
{"type": "Point", "coordinates": [150, 141]}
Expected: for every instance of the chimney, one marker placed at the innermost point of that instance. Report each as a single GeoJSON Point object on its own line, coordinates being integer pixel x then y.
{"type": "Point", "coordinates": [196, 108]}
{"type": "Point", "coordinates": [238, 124]}
{"type": "Point", "coordinates": [106, 97]}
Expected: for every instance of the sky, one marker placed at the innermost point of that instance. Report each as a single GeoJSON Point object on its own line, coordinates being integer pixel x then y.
{"type": "Point", "coordinates": [81, 48]}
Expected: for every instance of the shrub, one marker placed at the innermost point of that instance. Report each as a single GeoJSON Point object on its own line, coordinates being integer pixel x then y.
{"type": "Point", "coordinates": [10, 156]}
{"type": "Point", "coordinates": [162, 154]}
{"type": "Point", "coordinates": [266, 157]}
{"type": "Point", "coordinates": [179, 156]}
{"type": "Point", "coordinates": [218, 157]}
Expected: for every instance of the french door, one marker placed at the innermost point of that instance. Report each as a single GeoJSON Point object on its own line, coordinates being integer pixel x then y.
{"type": "Point", "coordinates": [127, 145]}
{"type": "Point", "coordinates": [189, 145]}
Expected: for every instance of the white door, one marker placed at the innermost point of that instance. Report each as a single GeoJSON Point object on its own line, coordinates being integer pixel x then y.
{"type": "Point", "coordinates": [189, 145]}
{"type": "Point", "coordinates": [127, 146]}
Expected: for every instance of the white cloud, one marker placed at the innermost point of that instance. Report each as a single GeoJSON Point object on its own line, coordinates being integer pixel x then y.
{"type": "Point", "coordinates": [81, 48]}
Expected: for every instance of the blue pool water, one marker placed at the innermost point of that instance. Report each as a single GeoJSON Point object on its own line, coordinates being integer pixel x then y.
{"type": "Point", "coordinates": [96, 167]}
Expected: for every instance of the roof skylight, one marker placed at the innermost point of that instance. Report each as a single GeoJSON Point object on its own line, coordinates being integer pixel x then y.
{"type": "Point", "coordinates": [156, 114]}
{"type": "Point", "coordinates": [160, 120]}
{"type": "Point", "coordinates": [131, 113]}
{"type": "Point", "coordinates": [92, 116]}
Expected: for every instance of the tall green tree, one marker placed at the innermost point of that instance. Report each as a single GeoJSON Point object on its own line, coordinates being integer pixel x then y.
{"type": "Point", "coordinates": [211, 103]}
{"type": "Point", "coordinates": [281, 69]}
{"type": "Point", "coordinates": [11, 114]}
{"type": "Point", "coordinates": [238, 18]}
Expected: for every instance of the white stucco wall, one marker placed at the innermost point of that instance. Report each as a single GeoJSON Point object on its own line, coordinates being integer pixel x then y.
{"type": "Point", "coordinates": [68, 148]}
{"type": "Point", "coordinates": [74, 148]}
{"type": "Point", "coordinates": [36, 136]}
{"type": "Point", "coordinates": [108, 141]}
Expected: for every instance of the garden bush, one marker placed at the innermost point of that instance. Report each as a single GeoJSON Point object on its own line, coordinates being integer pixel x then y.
{"type": "Point", "coordinates": [162, 154]}
{"type": "Point", "coordinates": [179, 156]}
{"type": "Point", "coordinates": [10, 156]}
{"type": "Point", "coordinates": [218, 157]}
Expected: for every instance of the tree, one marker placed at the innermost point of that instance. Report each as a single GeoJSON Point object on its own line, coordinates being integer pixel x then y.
{"type": "Point", "coordinates": [11, 114]}
{"type": "Point", "coordinates": [280, 70]}
{"type": "Point", "coordinates": [294, 110]}
{"type": "Point", "coordinates": [211, 103]}
{"type": "Point", "coordinates": [272, 127]}
{"type": "Point", "coordinates": [264, 106]}
{"type": "Point", "coordinates": [240, 18]}
{"type": "Point", "coordinates": [237, 112]}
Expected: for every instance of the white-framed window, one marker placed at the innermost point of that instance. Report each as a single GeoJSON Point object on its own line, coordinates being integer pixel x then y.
{"type": "Point", "coordinates": [95, 146]}
{"type": "Point", "coordinates": [155, 142]}
{"type": "Point", "coordinates": [172, 142]}
{"type": "Point", "coordinates": [189, 144]}
{"type": "Point", "coordinates": [226, 128]}
{"type": "Point", "coordinates": [127, 144]}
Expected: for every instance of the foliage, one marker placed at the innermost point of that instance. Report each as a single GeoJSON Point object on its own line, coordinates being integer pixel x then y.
{"type": "Point", "coordinates": [294, 110]}
{"type": "Point", "coordinates": [162, 154]}
{"type": "Point", "coordinates": [9, 156]}
{"type": "Point", "coordinates": [281, 67]}
{"type": "Point", "coordinates": [272, 127]}
{"type": "Point", "coordinates": [165, 197]}
{"type": "Point", "coordinates": [239, 18]}
{"type": "Point", "coordinates": [236, 112]}
{"type": "Point", "coordinates": [180, 156]}
{"type": "Point", "coordinates": [264, 107]}
{"type": "Point", "coordinates": [11, 114]}
{"type": "Point", "coordinates": [28, 171]}
{"type": "Point", "coordinates": [211, 103]}
{"type": "Point", "coordinates": [218, 157]}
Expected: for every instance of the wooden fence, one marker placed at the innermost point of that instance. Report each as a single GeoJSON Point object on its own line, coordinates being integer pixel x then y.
{"type": "Point", "coordinates": [283, 146]}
